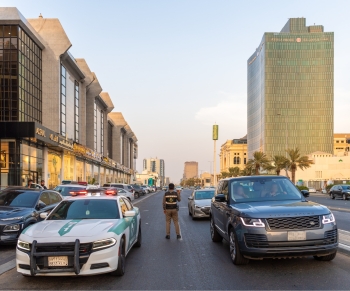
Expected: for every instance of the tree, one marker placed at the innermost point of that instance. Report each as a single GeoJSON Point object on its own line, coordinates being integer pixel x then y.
{"type": "Point", "coordinates": [234, 172]}
{"type": "Point", "coordinates": [259, 161]}
{"type": "Point", "coordinates": [280, 162]}
{"type": "Point", "coordinates": [296, 161]}
{"type": "Point", "coordinates": [225, 175]}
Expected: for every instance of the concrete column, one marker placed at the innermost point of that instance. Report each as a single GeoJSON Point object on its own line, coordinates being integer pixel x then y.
{"type": "Point", "coordinates": [45, 175]}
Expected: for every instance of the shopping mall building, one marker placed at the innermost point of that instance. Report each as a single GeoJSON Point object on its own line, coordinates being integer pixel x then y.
{"type": "Point", "coordinates": [55, 122]}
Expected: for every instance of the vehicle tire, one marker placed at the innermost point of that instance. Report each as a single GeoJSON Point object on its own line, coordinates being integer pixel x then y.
{"type": "Point", "coordinates": [189, 212]}
{"type": "Point", "coordinates": [139, 238]}
{"type": "Point", "coordinates": [344, 197]}
{"type": "Point", "coordinates": [121, 260]}
{"type": "Point", "coordinates": [236, 256]}
{"type": "Point", "coordinates": [332, 196]}
{"type": "Point", "coordinates": [215, 235]}
{"type": "Point", "coordinates": [325, 258]}
{"type": "Point", "coordinates": [129, 199]}
{"type": "Point", "coordinates": [193, 215]}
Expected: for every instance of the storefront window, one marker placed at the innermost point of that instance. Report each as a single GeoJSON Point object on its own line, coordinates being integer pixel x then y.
{"type": "Point", "coordinates": [95, 173]}
{"type": "Point", "coordinates": [31, 162]}
{"type": "Point", "coordinates": [68, 171]}
{"type": "Point", "coordinates": [79, 167]}
{"type": "Point", "coordinates": [102, 175]}
{"type": "Point", "coordinates": [88, 171]}
{"type": "Point", "coordinates": [108, 177]}
{"type": "Point", "coordinates": [54, 169]}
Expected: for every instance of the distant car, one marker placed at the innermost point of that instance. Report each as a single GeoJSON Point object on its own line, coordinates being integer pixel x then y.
{"type": "Point", "coordinates": [165, 188]}
{"type": "Point", "coordinates": [312, 190]}
{"type": "Point", "coordinates": [340, 191]}
{"type": "Point", "coordinates": [81, 236]}
{"type": "Point", "coordinates": [68, 190]}
{"type": "Point", "coordinates": [20, 207]}
{"type": "Point", "coordinates": [145, 188]}
{"type": "Point", "coordinates": [267, 217]}
{"type": "Point", "coordinates": [138, 190]}
{"type": "Point", "coordinates": [118, 191]}
{"type": "Point", "coordinates": [36, 186]}
{"type": "Point", "coordinates": [199, 203]}
{"type": "Point", "coordinates": [126, 187]}
{"type": "Point", "coordinates": [178, 188]}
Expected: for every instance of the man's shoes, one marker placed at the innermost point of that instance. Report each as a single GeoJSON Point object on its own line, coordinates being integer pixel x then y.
{"type": "Point", "coordinates": [178, 236]}
{"type": "Point", "coordinates": [167, 236]}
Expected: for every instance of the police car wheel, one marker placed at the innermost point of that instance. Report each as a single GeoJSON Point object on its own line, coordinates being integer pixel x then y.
{"type": "Point", "coordinates": [121, 260]}
{"type": "Point", "coordinates": [139, 238]}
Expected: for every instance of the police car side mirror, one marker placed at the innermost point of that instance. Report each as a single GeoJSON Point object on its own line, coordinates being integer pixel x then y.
{"type": "Point", "coordinates": [129, 213]}
{"type": "Point", "coordinates": [43, 215]}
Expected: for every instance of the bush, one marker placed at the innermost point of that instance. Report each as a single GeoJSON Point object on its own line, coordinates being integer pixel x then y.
{"type": "Point", "coordinates": [302, 188]}
{"type": "Point", "coordinates": [328, 187]}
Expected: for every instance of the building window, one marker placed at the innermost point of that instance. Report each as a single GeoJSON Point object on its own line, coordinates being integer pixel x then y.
{"type": "Point", "coordinates": [238, 160]}
{"type": "Point", "coordinates": [76, 112]}
{"type": "Point", "coordinates": [63, 100]}
{"type": "Point", "coordinates": [95, 127]}
{"type": "Point", "coordinates": [245, 160]}
{"type": "Point", "coordinates": [110, 140]}
{"type": "Point", "coordinates": [102, 131]}
{"type": "Point", "coordinates": [122, 147]}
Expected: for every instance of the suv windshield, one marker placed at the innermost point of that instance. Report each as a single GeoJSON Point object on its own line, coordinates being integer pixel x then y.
{"type": "Point", "coordinates": [86, 209]}
{"type": "Point", "coordinates": [204, 195]}
{"type": "Point", "coordinates": [346, 187]}
{"type": "Point", "coordinates": [64, 190]}
{"type": "Point", "coordinates": [262, 189]}
{"type": "Point", "coordinates": [19, 198]}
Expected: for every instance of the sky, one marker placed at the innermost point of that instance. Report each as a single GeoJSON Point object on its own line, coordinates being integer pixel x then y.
{"type": "Point", "coordinates": [176, 67]}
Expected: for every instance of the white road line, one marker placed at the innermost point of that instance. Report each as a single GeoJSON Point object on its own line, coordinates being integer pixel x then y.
{"type": "Point", "coordinates": [138, 201]}
{"type": "Point", "coordinates": [7, 266]}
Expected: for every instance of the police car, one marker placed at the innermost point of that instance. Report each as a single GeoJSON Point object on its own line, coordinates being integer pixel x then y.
{"type": "Point", "coordinates": [86, 235]}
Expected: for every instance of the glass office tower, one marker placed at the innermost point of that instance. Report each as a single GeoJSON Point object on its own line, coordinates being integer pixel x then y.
{"type": "Point", "coordinates": [291, 91]}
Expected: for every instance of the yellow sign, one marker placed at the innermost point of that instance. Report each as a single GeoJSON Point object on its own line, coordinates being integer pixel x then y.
{"type": "Point", "coordinates": [215, 132]}
{"type": "Point", "coordinates": [40, 132]}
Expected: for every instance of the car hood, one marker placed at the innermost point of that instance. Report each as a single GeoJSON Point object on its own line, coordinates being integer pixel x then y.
{"type": "Point", "coordinates": [270, 209]}
{"type": "Point", "coordinates": [9, 212]}
{"type": "Point", "coordinates": [202, 202]}
{"type": "Point", "coordinates": [71, 228]}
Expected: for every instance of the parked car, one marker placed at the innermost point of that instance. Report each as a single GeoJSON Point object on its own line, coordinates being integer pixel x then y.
{"type": "Point", "coordinates": [165, 188]}
{"type": "Point", "coordinates": [118, 191]}
{"type": "Point", "coordinates": [68, 190]}
{"type": "Point", "coordinates": [81, 237]}
{"type": "Point", "coordinates": [268, 217]}
{"type": "Point", "coordinates": [138, 190]}
{"type": "Point", "coordinates": [20, 207]}
{"type": "Point", "coordinates": [340, 191]}
{"type": "Point", "coordinates": [199, 203]}
{"type": "Point", "coordinates": [126, 187]}
{"type": "Point", "coordinates": [312, 190]}
{"type": "Point", "coordinates": [145, 188]}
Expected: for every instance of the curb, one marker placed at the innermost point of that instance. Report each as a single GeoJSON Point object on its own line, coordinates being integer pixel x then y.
{"type": "Point", "coordinates": [344, 249]}
{"type": "Point", "coordinates": [7, 266]}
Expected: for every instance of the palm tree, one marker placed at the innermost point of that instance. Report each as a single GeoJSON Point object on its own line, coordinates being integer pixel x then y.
{"type": "Point", "coordinates": [280, 162]}
{"type": "Point", "coordinates": [225, 175]}
{"type": "Point", "coordinates": [247, 171]}
{"type": "Point", "coordinates": [233, 171]}
{"type": "Point", "coordinates": [259, 161]}
{"type": "Point", "coordinates": [296, 161]}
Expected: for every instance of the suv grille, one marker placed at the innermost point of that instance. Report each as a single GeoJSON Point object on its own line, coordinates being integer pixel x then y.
{"type": "Point", "coordinates": [256, 240]}
{"type": "Point", "coordinates": [303, 222]}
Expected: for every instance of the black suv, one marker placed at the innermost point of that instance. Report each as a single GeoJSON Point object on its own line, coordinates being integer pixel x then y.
{"type": "Point", "coordinates": [340, 191]}
{"type": "Point", "coordinates": [21, 207]}
{"type": "Point", "coordinates": [139, 190]}
{"type": "Point", "coordinates": [268, 217]}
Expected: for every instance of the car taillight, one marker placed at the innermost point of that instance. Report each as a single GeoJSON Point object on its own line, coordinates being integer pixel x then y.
{"type": "Point", "coordinates": [110, 192]}
{"type": "Point", "coordinates": [75, 193]}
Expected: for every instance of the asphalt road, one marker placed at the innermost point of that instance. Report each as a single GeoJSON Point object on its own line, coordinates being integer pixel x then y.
{"type": "Point", "coordinates": [194, 262]}
{"type": "Point", "coordinates": [339, 207]}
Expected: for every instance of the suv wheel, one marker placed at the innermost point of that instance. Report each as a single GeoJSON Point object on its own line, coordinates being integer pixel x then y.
{"type": "Point", "coordinates": [332, 196]}
{"type": "Point", "coordinates": [236, 256]}
{"type": "Point", "coordinates": [215, 235]}
{"type": "Point", "coordinates": [344, 196]}
{"type": "Point", "coordinates": [325, 258]}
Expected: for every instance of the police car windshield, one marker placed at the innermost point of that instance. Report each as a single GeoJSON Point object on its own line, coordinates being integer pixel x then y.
{"type": "Point", "coordinates": [86, 209]}
{"type": "Point", "coordinates": [204, 195]}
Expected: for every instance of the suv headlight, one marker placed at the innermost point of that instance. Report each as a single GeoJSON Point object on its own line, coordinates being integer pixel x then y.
{"type": "Point", "coordinates": [252, 222]}
{"type": "Point", "coordinates": [12, 227]}
{"type": "Point", "coordinates": [102, 244]}
{"type": "Point", "coordinates": [329, 218]}
{"type": "Point", "coordinates": [23, 245]}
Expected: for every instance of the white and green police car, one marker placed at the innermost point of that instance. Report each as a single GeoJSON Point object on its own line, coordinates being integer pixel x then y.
{"type": "Point", "coordinates": [82, 236]}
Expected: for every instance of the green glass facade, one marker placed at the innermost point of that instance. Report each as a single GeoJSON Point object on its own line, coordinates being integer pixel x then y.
{"type": "Point", "coordinates": [291, 91]}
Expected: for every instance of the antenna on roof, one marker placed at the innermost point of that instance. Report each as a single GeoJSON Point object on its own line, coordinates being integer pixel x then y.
{"type": "Point", "coordinates": [40, 16]}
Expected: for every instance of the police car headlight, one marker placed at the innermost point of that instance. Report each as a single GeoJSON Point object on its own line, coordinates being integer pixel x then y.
{"type": "Point", "coordinates": [12, 228]}
{"type": "Point", "coordinates": [102, 244]}
{"type": "Point", "coordinates": [23, 245]}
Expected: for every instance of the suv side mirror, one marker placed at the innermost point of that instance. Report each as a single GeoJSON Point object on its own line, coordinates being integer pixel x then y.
{"type": "Point", "coordinates": [40, 205]}
{"type": "Point", "coordinates": [220, 198]}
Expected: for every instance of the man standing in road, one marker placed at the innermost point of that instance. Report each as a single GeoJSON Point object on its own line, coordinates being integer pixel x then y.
{"type": "Point", "coordinates": [170, 208]}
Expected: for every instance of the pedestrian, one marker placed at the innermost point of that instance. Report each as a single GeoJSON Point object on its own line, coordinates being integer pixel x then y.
{"type": "Point", "coordinates": [43, 184]}
{"type": "Point", "coordinates": [171, 209]}
{"type": "Point", "coordinates": [30, 182]}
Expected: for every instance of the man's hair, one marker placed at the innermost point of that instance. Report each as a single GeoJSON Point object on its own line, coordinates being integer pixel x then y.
{"type": "Point", "coordinates": [171, 186]}
{"type": "Point", "coordinates": [42, 181]}
{"type": "Point", "coordinates": [30, 180]}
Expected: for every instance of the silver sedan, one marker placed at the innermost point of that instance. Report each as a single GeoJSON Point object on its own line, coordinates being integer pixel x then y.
{"type": "Point", "coordinates": [199, 203]}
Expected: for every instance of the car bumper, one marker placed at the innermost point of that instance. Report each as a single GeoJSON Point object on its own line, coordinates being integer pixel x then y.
{"type": "Point", "coordinates": [202, 212]}
{"type": "Point", "coordinates": [109, 256]}
{"type": "Point", "coordinates": [318, 242]}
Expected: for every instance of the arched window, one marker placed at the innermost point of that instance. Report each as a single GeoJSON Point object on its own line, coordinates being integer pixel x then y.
{"type": "Point", "coordinates": [238, 160]}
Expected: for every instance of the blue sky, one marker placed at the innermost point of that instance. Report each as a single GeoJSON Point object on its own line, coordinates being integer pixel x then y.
{"type": "Point", "coordinates": [174, 68]}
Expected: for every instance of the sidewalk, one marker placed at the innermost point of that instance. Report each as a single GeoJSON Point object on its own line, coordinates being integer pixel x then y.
{"type": "Point", "coordinates": [344, 241]}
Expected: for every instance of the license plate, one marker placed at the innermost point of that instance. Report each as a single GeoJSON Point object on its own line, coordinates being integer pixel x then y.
{"type": "Point", "coordinates": [58, 261]}
{"type": "Point", "coordinates": [296, 235]}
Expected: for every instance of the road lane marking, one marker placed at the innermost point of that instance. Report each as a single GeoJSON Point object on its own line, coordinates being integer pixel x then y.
{"type": "Point", "coordinates": [138, 201]}
{"type": "Point", "coordinates": [7, 266]}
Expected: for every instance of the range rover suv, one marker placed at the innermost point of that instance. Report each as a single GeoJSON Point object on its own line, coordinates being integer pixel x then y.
{"type": "Point", "coordinates": [267, 217]}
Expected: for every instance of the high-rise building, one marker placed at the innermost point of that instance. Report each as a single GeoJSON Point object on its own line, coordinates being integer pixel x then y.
{"type": "Point", "coordinates": [190, 170]}
{"type": "Point", "coordinates": [155, 166]}
{"type": "Point", "coordinates": [290, 90]}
